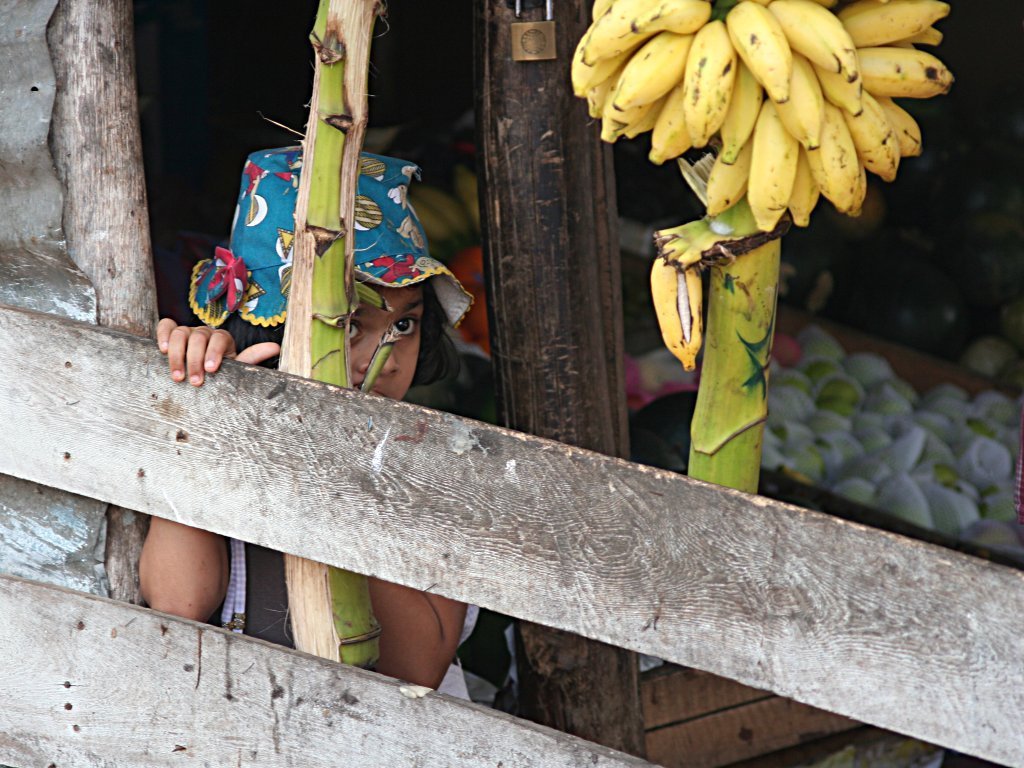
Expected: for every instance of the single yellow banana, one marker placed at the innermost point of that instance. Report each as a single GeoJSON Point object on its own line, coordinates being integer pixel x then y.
{"type": "Point", "coordinates": [586, 76]}
{"type": "Point", "coordinates": [708, 82]}
{"type": "Point", "coordinates": [804, 112]}
{"type": "Point", "coordinates": [694, 287]}
{"type": "Point", "coordinates": [744, 107]}
{"type": "Point", "coordinates": [600, 8]}
{"type": "Point", "coordinates": [878, 147]}
{"type": "Point", "coordinates": [727, 182]}
{"type": "Point", "coordinates": [605, 37]}
{"type": "Point", "coordinates": [629, 22]}
{"type": "Point", "coordinates": [818, 34]}
{"type": "Point", "coordinates": [646, 122]}
{"type": "Point", "coordinates": [835, 166]}
{"type": "Point", "coordinates": [860, 193]}
{"type": "Point", "coordinates": [827, 3]}
{"type": "Point", "coordinates": [615, 121]}
{"type": "Point", "coordinates": [598, 95]}
{"type": "Point", "coordinates": [805, 192]}
{"type": "Point", "coordinates": [903, 72]}
{"type": "Point", "coordinates": [840, 91]}
{"type": "Point", "coordinates": [761, 43]}
{"type": "Point", "coordinates": [908, 132]}
{"type": "Point", "coordinates": [872, 23]}
{"type": "Point", "coordinates": [669, 137]}
{"type": "Point", "coordinates": [930, 36]}
{"type": "Point", "coordinates": [772, 168]}
{"type": "Point", "coordinates": [655, 68]}
{"type": "Point", "coordinates": [684, 17]}
{"type": "Point", "coordinates": [678, 304]}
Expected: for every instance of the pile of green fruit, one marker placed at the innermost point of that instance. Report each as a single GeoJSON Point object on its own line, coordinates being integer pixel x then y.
{"type": "Point", "coordinates": [941, 460]}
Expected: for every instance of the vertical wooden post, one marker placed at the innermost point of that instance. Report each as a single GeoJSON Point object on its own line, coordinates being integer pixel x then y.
{"type": "Point", "coordinates": [552, 264]}
{"type": "Point", "coordinates": [97, 149]}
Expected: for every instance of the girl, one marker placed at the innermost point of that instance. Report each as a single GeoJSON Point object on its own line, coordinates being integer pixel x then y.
{"type": "Point", "coordinates": [241, 294]}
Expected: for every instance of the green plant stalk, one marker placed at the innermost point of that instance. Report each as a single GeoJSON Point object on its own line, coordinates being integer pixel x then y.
{"type": "Point", "coordinates": [333, 301]}
{"type": "Point", "coordinates": [732, 403]}
{"type": "Point", "coordinates": [332, 298]}
{"type": "Point", "coordinates": [380, 358]}
{"type": "Point", "coordinates": [352, 609]}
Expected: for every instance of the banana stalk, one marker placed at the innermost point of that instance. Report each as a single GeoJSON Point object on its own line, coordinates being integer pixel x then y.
{"type": "Point", "coordinates": [330, 609]}
{"type": "Point", "coordinates": [732, 403]}
{"type": "Point", "coordinates": [380, 357]}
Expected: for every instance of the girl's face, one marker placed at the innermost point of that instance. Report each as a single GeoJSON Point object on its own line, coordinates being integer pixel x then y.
{"type": "Point", "coordinates": [370, 323]}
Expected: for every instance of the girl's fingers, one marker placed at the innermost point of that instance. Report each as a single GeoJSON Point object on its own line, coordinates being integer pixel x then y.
{"type": "Point", "coordinates": [195, 355]}
{"type": "Point", "coordinates": [221, 345]}
{"type": "Point", "coordinates": [177, 344]}
{"type": "Point", "coordinates": [193, 352]}
{"type": "Point", "coordinates": [259, 353]}
{"type": "Point", "coordinates": [163, 333]}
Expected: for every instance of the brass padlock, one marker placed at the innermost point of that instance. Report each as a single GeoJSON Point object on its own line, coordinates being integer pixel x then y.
{"type": "Point", "coordinates": [534, 40]}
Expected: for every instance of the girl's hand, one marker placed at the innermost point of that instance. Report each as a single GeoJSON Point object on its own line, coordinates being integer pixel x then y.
{"type": "Point", "coordinates": [197, 350]}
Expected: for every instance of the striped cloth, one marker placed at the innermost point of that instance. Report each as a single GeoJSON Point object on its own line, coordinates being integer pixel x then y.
{"type": "Point", "coordinates": [232, 615]}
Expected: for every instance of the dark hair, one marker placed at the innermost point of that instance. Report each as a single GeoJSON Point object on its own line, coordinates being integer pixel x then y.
{"type": "Point", "coordinates": [437, 358]}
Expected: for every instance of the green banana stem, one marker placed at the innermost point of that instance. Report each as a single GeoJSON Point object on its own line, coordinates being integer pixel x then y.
{"type": "Point", "coordinates": [332, 612]}
{"type": "Point", "coordinates": [380, 357]}
{"type": "Point", "coordinates": [732, 403]}
{"type": "Point", "coordinates": [333, 300]}
{"type": "Point", "coordinates": [366, 295]}
{"type": "Point", "coordinates": [715, 240]}
{"type": "Point", "coordinates": [721, 9]}
{"type": "Point", "coordinates": [354, 621]}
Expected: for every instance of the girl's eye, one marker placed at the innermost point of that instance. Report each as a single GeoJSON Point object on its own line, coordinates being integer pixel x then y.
{"type": "Point", "coordinates": [405, 326]}
{"type": "Point", "coordinates": [353, 329]}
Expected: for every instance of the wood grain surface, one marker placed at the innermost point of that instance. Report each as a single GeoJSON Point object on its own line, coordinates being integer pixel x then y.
{"type": "Point", "coordinates": [864, 623]}
{"type": "Point", "coordinates": [109, 684]}
{"type": "Point", "coordinates": [741, 732]}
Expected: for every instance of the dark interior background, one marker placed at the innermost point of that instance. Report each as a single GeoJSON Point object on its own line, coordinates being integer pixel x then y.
{"type": "Point", "coordinates": [213, 75]}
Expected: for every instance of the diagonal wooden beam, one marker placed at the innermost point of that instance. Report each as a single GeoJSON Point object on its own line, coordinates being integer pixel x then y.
{"type": "Point", "coordinates": [874, 626]}
{"type": "Point", "coordinates": [113, 684]}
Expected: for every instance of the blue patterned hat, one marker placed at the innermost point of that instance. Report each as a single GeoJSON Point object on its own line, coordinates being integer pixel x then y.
{"type": "Point", "coordinates": [253, 276]}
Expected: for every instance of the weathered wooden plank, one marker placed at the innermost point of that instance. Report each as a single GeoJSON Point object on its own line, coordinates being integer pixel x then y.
{"type": "Point", "coordinates": [741, 732]}
{"type": "Point", "coordinates": [673, 694]}
{"type": "Point", "coordinates": [864, 623]}
{"type": "Point", "coordinates": [112, 684]}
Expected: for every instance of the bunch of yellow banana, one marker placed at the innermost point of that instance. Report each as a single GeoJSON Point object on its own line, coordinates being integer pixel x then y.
{"type": "Point", "coordinates": [796, 95]}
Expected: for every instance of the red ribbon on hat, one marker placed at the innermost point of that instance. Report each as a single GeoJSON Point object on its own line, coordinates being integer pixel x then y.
{"type": "Point", "coordinates": [230, 276]}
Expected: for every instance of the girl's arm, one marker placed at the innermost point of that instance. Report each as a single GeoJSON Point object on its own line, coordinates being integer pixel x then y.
{"type": "Point", "coordinates": [183, 570]}
{"type": "Point", "coordinates": [420, 632]}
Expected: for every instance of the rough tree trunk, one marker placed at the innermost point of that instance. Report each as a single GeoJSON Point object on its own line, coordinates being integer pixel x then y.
{"type": "Point", "coordinates": [548, 203]}
{"type": "Point", "coordinates": [97, 149]}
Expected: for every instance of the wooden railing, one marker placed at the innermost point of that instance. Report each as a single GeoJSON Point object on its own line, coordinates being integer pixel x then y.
{"type": "Point", "coordinates": [867, 624]}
